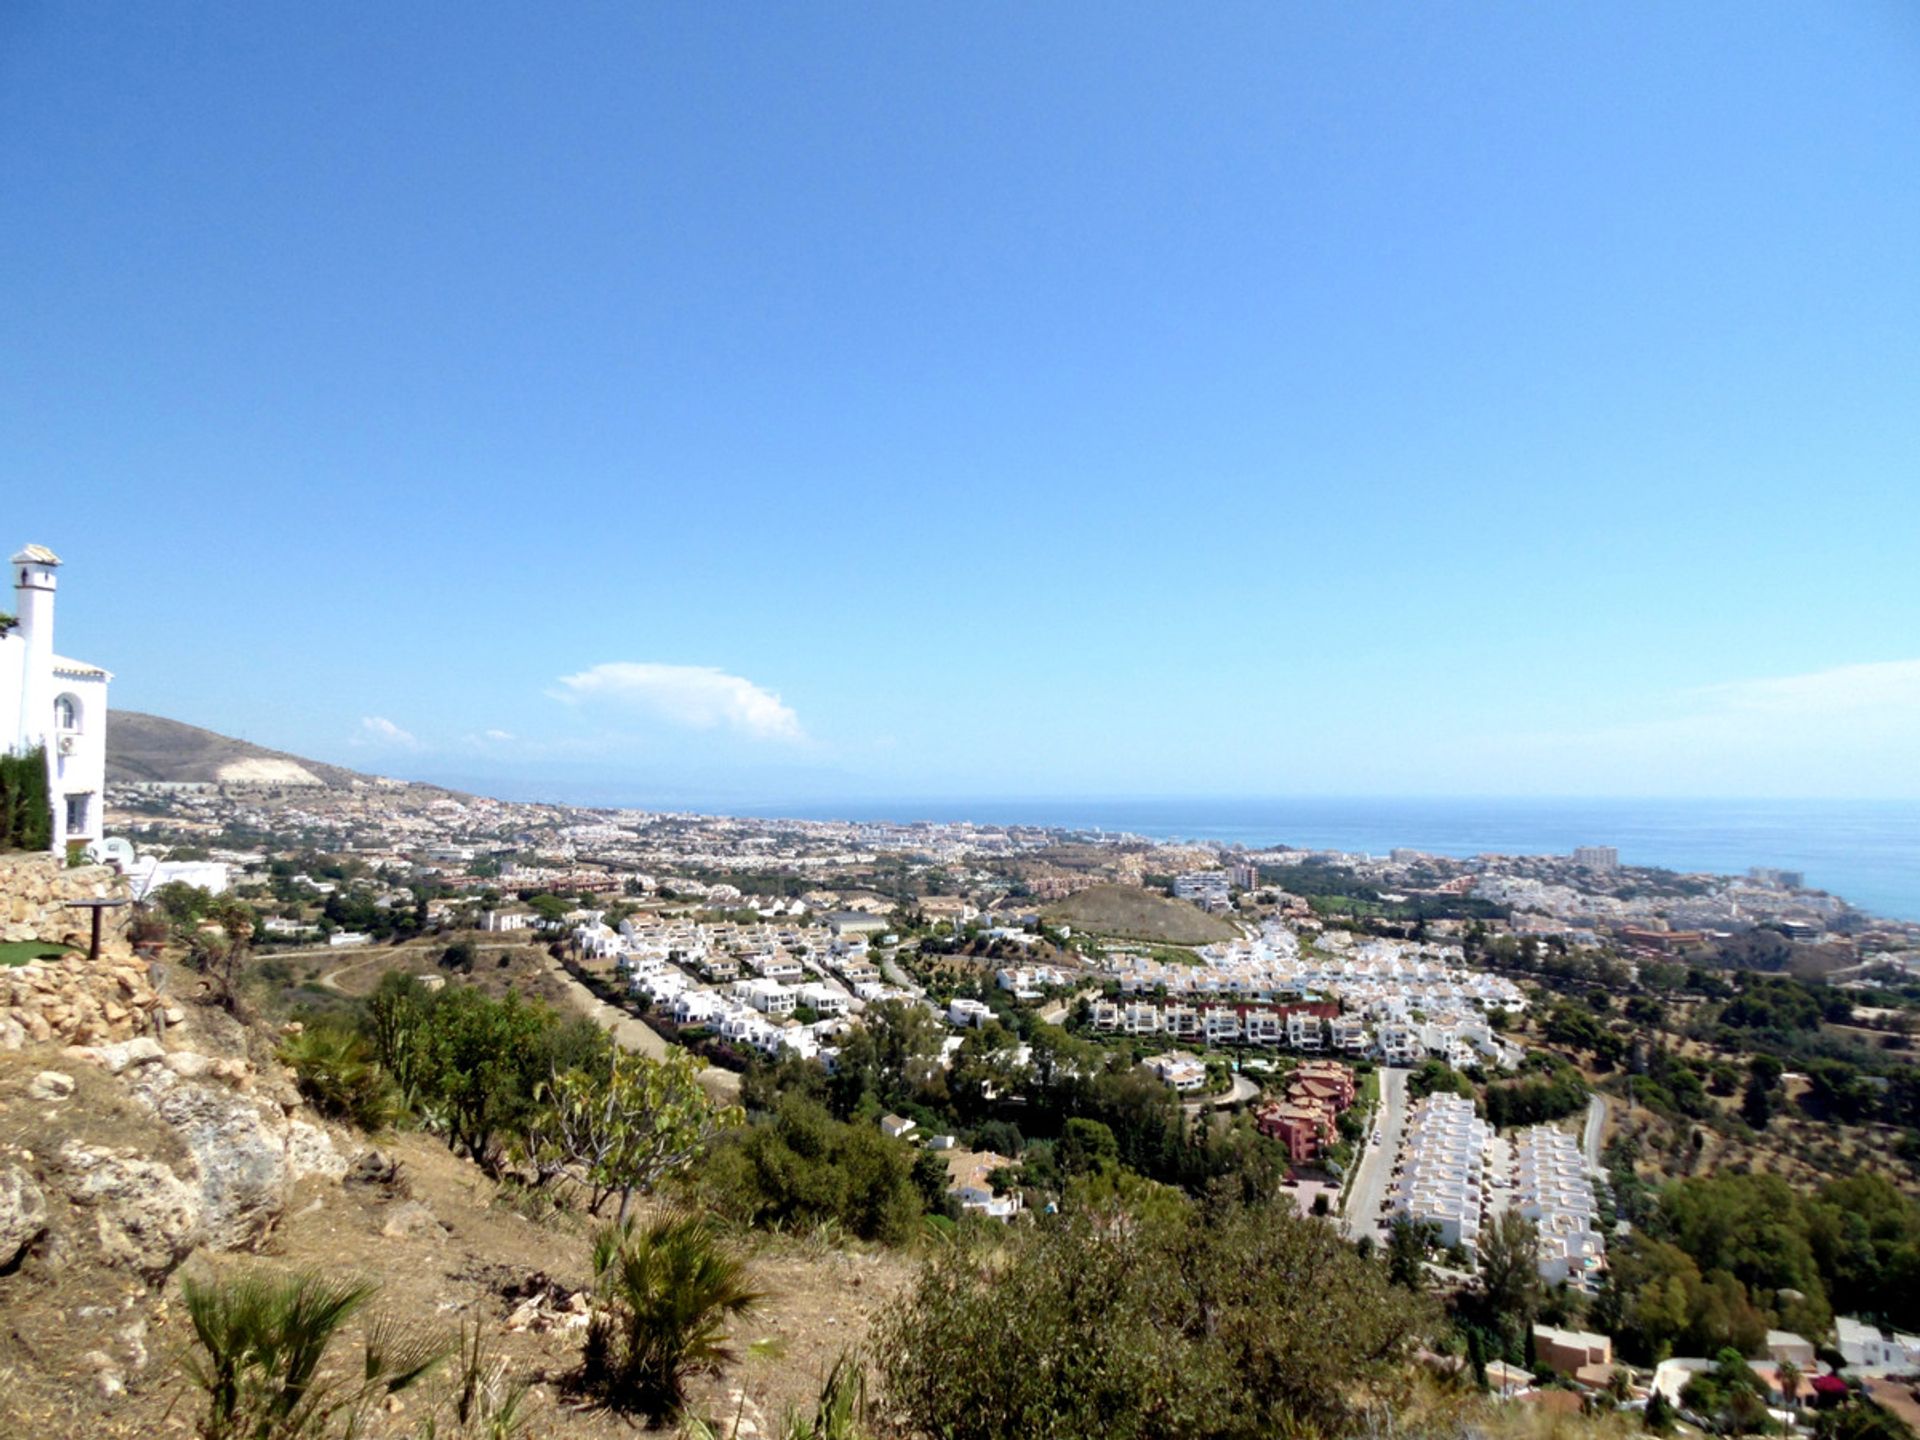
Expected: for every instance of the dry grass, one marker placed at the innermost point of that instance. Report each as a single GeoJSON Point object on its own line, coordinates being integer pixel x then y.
{"type": "Point", "coordinates": [1128, 913]}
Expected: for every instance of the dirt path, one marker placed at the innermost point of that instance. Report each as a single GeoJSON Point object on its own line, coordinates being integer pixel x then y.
{"type": "Point", "coordinates": [633, 1034]}
{"type": "Point", "coordinates": [383, 958]}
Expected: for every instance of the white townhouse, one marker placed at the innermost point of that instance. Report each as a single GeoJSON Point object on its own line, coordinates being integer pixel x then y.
{"type": "Point", "coordinates": [51, 701]}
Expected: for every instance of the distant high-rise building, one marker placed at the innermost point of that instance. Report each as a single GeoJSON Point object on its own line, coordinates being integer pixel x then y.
{"type": "Point", "coordinates": [1204, 887]}
{"type": "Point", "coordinates": [1597, 857]}
{"type": "Point", "coordinates": [1780, 879]}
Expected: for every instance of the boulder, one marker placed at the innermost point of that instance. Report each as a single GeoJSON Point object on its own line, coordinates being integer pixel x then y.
{"type": "Point", "coordinates": [410, 1217]}
{"type": "Point", "coordinates": [23, 1213]}
{"type": "Point", "coordinates": [188, 1064]}
{"type": "Point", "coordinates": [50, 1085]}
{"type": "Point", "coordinates": [373, 1167]}
{"type": "Point", "coordinates": [310, 1151]}
{"type": "Point", "coordinates": [147, 1217]}
{"type": "Point", "coordinates": [143, 1050]}
{"type": "Point", "coordinates": [239, 1148]}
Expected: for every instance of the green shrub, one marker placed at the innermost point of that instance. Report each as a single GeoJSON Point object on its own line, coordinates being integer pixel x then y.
{"type": "Point", "coordinates": [1157, 1325]}
{"type": "Point", "coordinates": [665, 1291]}
{"type": "Point", "coordinates": [338, 1075]}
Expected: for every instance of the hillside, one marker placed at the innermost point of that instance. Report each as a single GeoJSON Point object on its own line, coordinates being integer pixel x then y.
{"type": "Point", "coordinates": [152, 748]}
{"type": "Point", "coordinates": [1129, 913]}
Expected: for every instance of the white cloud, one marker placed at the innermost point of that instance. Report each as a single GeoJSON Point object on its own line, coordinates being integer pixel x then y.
{"type": "Point", "coordinates": [497, 735]}
{"type": "Point", "coordinates": [698, 697]}
{"type": "Point", "coordinates": [1888, 686]}
{"type": "Point", "coordinates": [378, 730]}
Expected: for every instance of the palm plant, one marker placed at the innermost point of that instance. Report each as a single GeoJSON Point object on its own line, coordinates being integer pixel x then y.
{"type": "Point", "coordinates": [666, 1292]}
{"type": "Point", "coordinates": [265, 1339]}
{"type": "Point", "coordinates": [482, 1405]}
{"type": "Point", "coordinates": [337, 1073]}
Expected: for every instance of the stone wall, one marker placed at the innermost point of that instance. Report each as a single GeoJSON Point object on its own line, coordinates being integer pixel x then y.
{"type": "Point", "coordinates": [77, 1001]}
{"type": "Point", "coordinates": [34, 890]}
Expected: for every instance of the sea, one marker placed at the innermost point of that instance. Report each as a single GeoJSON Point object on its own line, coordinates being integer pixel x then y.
{"type": "Point", "coordinates": [1865, 851]}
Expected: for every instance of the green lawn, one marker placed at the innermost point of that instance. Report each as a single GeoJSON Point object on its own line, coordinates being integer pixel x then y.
{"type": "Point", "coordinates": [19, 952]}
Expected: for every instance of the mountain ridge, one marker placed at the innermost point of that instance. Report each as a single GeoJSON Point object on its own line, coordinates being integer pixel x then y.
{"type": "Point", "coordinates": [151, 749]}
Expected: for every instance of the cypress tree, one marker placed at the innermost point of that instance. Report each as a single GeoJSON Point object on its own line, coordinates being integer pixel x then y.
{"type": "Point", "coordinates": [26, 806]}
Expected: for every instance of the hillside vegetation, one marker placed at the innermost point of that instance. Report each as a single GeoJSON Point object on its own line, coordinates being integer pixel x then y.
{"type": "Point", "coordinates": [1129, 913]}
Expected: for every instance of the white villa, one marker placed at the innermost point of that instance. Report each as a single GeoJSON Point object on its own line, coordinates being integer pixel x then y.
{"type": "Point", "coordinates": [47, 699]}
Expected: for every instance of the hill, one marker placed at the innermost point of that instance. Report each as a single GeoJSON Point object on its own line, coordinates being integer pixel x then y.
{"type": "Point", "coordinates": [152, 748]}
{"type": "Point", "coordinates": [1129, 913]}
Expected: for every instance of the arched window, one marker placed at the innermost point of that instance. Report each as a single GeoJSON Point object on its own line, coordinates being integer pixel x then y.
{"type": "Point", "coordinates": [66, 713]}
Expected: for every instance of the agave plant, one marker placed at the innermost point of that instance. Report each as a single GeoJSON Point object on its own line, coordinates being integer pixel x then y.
{"type": "Point", "coordinates": [263, 1339]}
{"type": "Point", "coordinates": [666, 1292]}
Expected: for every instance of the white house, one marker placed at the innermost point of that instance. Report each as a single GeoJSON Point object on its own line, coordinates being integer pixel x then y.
{"type": "Point", "coordinates": [47, 699]}
{"type": "Point", "coordinates": [1868, 1347]}
{"type": "Point", "coordinates": [1179, 1069]}
{"type": "Point", "coordinates": [962, 1012]}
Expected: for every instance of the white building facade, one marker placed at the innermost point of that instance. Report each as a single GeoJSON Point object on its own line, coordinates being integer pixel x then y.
{"type": "Point", "coordinates": [49, 700]}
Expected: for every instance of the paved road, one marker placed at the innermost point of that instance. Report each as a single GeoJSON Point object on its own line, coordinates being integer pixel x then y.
{"type": "Point", "coordinates": [1595, 1128]}
{"type": "Point", "coordinates": [1242, 1091]}
{"type": "Point", "coordinates": [1369, 1190]}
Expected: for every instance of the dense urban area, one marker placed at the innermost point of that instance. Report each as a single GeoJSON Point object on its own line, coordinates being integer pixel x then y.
{"type": "Point", "coordinates": [1648, 1137]}
{"type": "Point", "coordinates": [1573, 1135]}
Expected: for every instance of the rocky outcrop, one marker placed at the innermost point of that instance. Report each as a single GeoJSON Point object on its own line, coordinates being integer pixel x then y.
{"type": "Point", "coordinates": [145, 1216]}
{"type": "Point", "coordinates": [35, 889]}
{"type": "Point", "coordinates": [246, 1152]}
{"type": "Point", "coordinates": [139, 1153]}
{"type": "Point", "coordinates": [23, 1213]}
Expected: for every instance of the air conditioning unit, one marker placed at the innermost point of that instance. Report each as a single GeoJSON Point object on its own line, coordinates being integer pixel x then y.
{"type": "Point", "coordinates": [69, 744]}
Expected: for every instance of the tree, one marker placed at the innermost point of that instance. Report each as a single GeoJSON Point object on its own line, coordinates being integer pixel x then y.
{"type": "Point", "coordinates": [1509, 1277]}
{"type": "Point", "coordinates": [396, 1018]}
{"type": "Point", "coordinates": [1087, 1146]}
{"type": "Point", "coordinates": [1660, 1415]}
{"type": "Point", "coordinates": [26, 804]}
{"type": "Point", "coordinates": [624, 1126]}
{"type": "Point", "coordinates": [1730, 1395]}
{"type": "Point", "coordinates": [550, 908]}
{"type": "Point", "coordinates": [222, 952]}
{"type": "Point", "coordinates": [1789, 1376]}
{"type": "Point", "coordinates": [803, 1167]}
{"type": "Point", "coordinates": [1408, 1243]}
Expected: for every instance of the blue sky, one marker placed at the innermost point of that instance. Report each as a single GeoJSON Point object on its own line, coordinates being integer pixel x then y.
{"type": "Point", "coordinates": [740, 404]}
